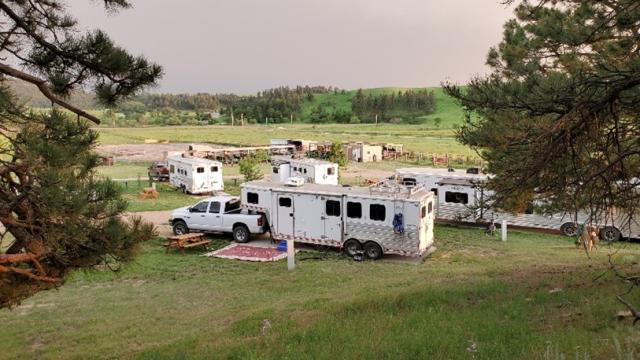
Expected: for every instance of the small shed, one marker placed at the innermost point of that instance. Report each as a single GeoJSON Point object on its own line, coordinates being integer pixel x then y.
{"type": "Point", "coordinates": [361, 152]}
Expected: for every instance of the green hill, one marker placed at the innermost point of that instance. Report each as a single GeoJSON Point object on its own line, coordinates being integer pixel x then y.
{"type": "Point", "coordinates": [447, 110]}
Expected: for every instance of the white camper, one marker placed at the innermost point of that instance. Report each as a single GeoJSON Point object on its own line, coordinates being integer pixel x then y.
{"type": "Point", "coordinates": [195, 175]}
{"type": "Point", "coordinates": [460, 198]}
{"type": "Point", "coordinates": [385, 219]}
{"type": "Point", "coordinates": [311, 170]}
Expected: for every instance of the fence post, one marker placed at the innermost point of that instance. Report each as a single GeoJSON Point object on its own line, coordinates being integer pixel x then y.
{"type": "Point", "coordinates": [503, 229]}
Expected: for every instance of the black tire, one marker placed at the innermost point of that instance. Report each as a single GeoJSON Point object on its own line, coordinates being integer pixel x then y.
{"type": "Point", "coordinates": [241, 234]}
{"type": "Point", "coordinates": [569, 229]}
{"type": "Point", "coordinates": [372, 250]}
{"type": "Point", "coordinates": [610, 234]}
{"type": "Point", "coordinates": [352, 247]}
{"type": "Point", "coordinates": [180, 228]}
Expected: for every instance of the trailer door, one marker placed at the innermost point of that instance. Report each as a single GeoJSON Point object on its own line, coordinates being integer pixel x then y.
{"type": "Point", "coordinates": [285, 219]}
{"type": "Point", "coordinates": [332, 218]}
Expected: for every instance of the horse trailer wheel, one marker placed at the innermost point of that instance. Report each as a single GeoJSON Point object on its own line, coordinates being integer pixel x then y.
{"type": "Point", "coordinates": [372, 250]}
{"type": "Point", "coordinates": [352, 247]}
{"type": "Point", "coordinates": [610, 234]}
{"type": "Point", "coordinates": [569, 229]}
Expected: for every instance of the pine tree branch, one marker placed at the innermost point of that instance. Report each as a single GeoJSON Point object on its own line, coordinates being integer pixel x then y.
{"type": "Point", "coordinates": [44, 89]}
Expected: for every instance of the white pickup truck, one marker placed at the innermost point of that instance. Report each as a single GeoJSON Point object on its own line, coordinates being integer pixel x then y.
{"type": "Point", "coordinates": [218, 214]}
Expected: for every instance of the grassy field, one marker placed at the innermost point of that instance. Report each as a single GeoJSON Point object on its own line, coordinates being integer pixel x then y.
{"type": "Point", "coordinates": [417, 138]}
{"type": "Point", "coordinates": [476, 298]}
{"type": "Point", "coordinates": [447, 110]}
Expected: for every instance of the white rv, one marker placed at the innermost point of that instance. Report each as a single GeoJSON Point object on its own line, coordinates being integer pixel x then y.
{"type": "Point", "coordinates": [385, 219]}
{"type": "Point", "coordinates": [458, 192]}
{"type": "Point", "coordinates": [195, 175]}
{"type": "Point", "coordinates": [311, 170]}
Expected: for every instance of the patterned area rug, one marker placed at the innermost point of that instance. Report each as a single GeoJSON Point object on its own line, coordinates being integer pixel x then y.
{"type": "Point", "coordinates": [248, 253]}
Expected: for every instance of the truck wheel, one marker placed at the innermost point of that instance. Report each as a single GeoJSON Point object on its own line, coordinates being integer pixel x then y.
{"type": "Point", "coordinates": [180, 228]}
{"type": "Point", "coordinates": [610, 234]}
{"type": "Point", "coordinates": [569, 229]}
{"type": "Point", "coordinates": [241, 234]}
{"type": "Point", "coordinates": [352, 247]}
{"type": "Point", "coordinates": [372, 250]}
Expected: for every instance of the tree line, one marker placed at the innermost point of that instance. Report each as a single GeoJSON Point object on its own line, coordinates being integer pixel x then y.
{"type": "Point", "coordinates": [386, 106]}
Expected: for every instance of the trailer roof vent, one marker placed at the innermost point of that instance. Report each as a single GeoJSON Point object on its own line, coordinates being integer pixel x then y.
{"type": "Point", "coordinates": [296, 181]}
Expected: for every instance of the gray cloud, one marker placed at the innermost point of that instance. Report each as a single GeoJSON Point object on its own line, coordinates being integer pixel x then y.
{"type": "Point", "coordinates": [248, 45]}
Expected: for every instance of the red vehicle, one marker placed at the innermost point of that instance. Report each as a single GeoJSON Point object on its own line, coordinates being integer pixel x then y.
{"type": "Point", "coordinates": [159, 171]}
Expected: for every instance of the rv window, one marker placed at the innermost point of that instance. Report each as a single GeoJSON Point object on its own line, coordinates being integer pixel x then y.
{"type": "Point", "coordinates": [252, 198]}
{"type": "Point", "coordinates": [430, 207]}
{"type": "Point", "coordinates": [172, 169]}
{"type": "Point", "coordinates": [284, 201]}
{"type": "Point", "coordinates": [423, 212]}
{"type": "Point", "coordinates": [377, 212]}
{"type": "Point", "coordinates": [331, 171]}
{"type": "Point", "coordinates": [214, 169]}
{"type": "Point", "coordinates": [200, 207]}
{"type": "Point", "coordinates": [275, 169]}
{"type": "Point", "coordinates": [304, 171]}
{"type": "Point", "coordinates": [354, 210]}
{"type": "Point", "coordinates": [332, 208]}
{"type": "Point", "coordinates": [456, 197]}
{"type": "Point", "coordinates": [409, 181]}
{"type": "Point", "coordinates": [215, 207]}
{"type": "Point", "coordinates": [200, 170]}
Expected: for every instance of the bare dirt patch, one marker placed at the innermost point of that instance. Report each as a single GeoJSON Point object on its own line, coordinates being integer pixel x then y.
{"type": "Point", "coordinates": [144, 152]}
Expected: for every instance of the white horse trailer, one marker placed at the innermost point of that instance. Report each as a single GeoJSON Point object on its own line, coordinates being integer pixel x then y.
{"type": "Point", "coordinates": [195, 175]}
{"type": "Point", "coordinates": [385, 219]}
{"type": "Point", "coordinates": [460, 198]}
{"type": "Point", "coordinates": [311, 170]}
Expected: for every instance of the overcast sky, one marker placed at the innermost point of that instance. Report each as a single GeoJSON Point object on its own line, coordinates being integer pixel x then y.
{"type": "Point", "coordinates": [248, 45]}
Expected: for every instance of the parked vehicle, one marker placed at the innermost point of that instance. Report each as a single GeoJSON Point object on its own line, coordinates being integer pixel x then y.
{"type": "Point", "coordinates": [194, 175]}
{"type": "Point", "coordinates": [159, 171]}
{"type": "Point", "coordinates": [384, 219]}
{"type": "Point", "coordinates": [461, 198]}
{"type": "Point", "coordinates": [221, 214]}
{"type": "Point", "coordinates": [313, 171]}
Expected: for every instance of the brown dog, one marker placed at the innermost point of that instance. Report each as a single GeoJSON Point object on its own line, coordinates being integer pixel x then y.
{"type": "Point", "coordinates": [588, 238]}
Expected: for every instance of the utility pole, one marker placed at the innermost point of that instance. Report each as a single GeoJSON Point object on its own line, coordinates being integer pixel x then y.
{"type": "Point", "coordinates": [376, 119]}
{"type": "Point", "coordinates": [232, 117]}
{"type": "Point", "coordinates": [291, 119]}
{"type": "Point", "coordinates": [241, 119]}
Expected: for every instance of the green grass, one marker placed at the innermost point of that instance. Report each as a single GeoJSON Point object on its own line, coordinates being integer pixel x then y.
{"type": "Point", "coordinates": [416, 138]}
{"type": "Point", "coordinates": [125, 170]}
{"type": "Point", "coordinates": [169, 198]}
{"type": "Point", "coordinates": [447, 110]}
{"type": "Point", "coordinates": [473, 290]}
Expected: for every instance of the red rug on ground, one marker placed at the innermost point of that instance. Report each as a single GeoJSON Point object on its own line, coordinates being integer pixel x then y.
{"type": "Point", "coordinates": [248, 253]}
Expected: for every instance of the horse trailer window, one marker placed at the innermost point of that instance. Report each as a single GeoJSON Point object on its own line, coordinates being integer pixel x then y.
{"type": "Point", "coordinates": [200, 170]}
{"type": "Point", "coordinates": [284, 201]}
{"type": "Point", "coordinates": [252, 198]}
{"type": "Point", "coordinates": [330, 171]}
{"type": "Point", "coordinates": [332, 208]}
{"type": "Point", "coordinates": [215, 207]}
{"type": "Point", "coordinates": [409, 181]}
{"type": "Point", "coordinates": [275, 169]}
{"type": "Point", "coordinates": [377, 212]}
{"type": "Point", "coordinates": [456, 197]}
{"type": "Point", "coordinates": [214, 169]}
{"type": "Point", "coordinates": [423, 212]}
{"type": "Point", "coordinates": [354, 210]}
{"type": "Point", "coordinates": [430, 207]}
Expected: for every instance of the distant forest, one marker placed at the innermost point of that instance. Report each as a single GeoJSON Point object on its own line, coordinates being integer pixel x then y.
{"type": "Point", "coordinates": [316, 104]}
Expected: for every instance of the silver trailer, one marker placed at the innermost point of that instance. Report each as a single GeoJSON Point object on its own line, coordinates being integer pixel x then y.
{"type": "Point", "coordinates": [461, 199]}
{"type": "Point", "coordinates": [384, 219]}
